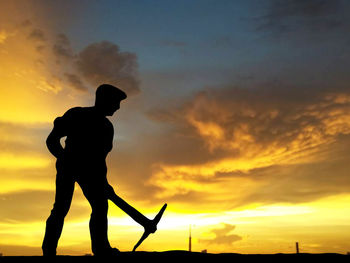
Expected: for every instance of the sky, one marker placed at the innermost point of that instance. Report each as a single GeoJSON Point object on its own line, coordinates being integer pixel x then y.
{"type": "Point", "coordinates": [237, 117]}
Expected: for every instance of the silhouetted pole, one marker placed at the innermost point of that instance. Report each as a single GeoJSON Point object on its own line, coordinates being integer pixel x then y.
{"type": "Point", "coordinates": [190, 241]}
{"type": "Point", "coordinates": [297, 247]}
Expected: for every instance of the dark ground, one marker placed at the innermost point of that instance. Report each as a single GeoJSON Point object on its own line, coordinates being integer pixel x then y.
{"type": "Point", "coordinates": [184, 256]}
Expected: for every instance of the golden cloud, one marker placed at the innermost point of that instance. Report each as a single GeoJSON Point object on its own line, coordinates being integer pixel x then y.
{"type": "Point", "coordinates": [3, 36]}
{"type": "Point", "coordinates": [252, 130]}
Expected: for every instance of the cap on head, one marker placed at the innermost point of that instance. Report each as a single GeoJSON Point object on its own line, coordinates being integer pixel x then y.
{"type": "Point", "coordinates": [109, 92]}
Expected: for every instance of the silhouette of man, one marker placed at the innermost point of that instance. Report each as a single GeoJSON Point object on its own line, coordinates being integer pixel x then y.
{"type": "Point", "coordinates": [83, 160]}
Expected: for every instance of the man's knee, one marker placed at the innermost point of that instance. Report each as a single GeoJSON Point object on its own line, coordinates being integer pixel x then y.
{"type": "Point", "coordinates": [60, 211]}
{"type": "Point", "coordinates": [99, 208]}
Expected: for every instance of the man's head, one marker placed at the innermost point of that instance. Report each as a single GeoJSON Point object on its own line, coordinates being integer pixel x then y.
{"type": "Point", "coordinates": [108, 99]}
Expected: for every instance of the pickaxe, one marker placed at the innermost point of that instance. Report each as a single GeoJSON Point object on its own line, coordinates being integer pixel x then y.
{"type": "Point", "coordinates": [149, 225]}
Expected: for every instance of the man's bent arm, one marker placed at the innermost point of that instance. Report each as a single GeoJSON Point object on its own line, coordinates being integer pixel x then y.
{"type": "Point", "coordinates": [53, 140]}
{"type": "Point", "coordinates": [54, 145]}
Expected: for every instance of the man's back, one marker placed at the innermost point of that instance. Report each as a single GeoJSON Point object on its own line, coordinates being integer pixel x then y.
{"type": "Point", "coordinates": [89, 134]}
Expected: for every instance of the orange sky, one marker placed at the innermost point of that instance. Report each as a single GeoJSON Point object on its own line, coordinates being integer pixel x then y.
{"type": "Point", "coordinates": [253, 169]}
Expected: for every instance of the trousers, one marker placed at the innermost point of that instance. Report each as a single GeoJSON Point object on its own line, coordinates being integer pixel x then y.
{"type": "Point", "coordinates": [93, 183]}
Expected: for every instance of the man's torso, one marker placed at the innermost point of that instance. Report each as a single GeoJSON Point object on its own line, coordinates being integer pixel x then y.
{"type": "Point", "coordinates": [89, 136]}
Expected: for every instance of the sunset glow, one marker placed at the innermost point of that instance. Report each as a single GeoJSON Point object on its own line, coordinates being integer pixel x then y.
{"type": "Point", "coordinates": [241, 126]}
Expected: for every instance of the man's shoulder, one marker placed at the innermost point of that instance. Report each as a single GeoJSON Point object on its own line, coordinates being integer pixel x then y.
{"type": "Point", "coordinates": [75, 110]}
{"type": "Point", "coordinates": [69, 115]}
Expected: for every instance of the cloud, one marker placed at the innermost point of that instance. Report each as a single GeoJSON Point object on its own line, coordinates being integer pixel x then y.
{"type": "Point", "coordinates": [40, 48]}
{"type": "Point", "coordinates": [26, 139]}
{"type": "Point", "coordinates": [103, 62]}
{"type": "Point", "coordinates": [240, 119]}
{"type": "Point", "coordinates": [24, 158]}
{"type": "Point", "coordinates": [37, 34]}
{"type": "Point", "coordinates": [35, 205]}
{"type": "Point", "coordinates": [3, 36]}
{"type": "Point", "coordinates": [222, 236]}
{"type": "Point", "coordinates": [26, 65]}
{"type": "Point", "coordinates": [253, 144]}
{"type": "Point", "coordinates": [312, 8]}
{"type": "Point", "coordinates": [299, 183]}
{"type": "Point", "coordinates": [62, 48]}
{"type": "Point", "coordinates": [95, 64]}
{"type": "Point", "coordinates": [25, 206]}
{"type": "Point", "coordinates": [75, 81]}
{"type": "Point", "coordinates": [56, 63]}
{"type": "Point", "coordinates": [302, 17]}
{"type": "Point", "coordinates": [25, 23]}
{"type": "Point", "coordinates": [47, 61]}
{"type": "Point", "coordinates": [249, 121]}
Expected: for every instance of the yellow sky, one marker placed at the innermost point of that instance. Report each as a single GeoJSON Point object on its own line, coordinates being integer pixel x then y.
{"type": "Point", "coordinates": [245, 193]}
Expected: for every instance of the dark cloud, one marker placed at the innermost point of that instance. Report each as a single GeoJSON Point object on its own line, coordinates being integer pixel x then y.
{"type": "Point", "coordinates": [62, 48]}
{"type": "Point", "coordinates": [75, 81]}
{"type": "Point", "coordinates": [40, 48]}
{"type": "Point", "coordinates": [103, 62]}
{"type": "Point", "coordinates": [97, 63]}
{"type": "Point", "coordinates": [279, 9]}
{"type": "Point", "coordinates": [265, 115]}
{"type": "Point", "coordinates": [222, 236]}
{"type": "Point", "coordinates": [26, 23]}
{"type": "Point", "coordinates": [312, 16]}
{"type": "Point", "coordinates": [37, 34]}
{"type": "Point", "coordinates": [300, 183]}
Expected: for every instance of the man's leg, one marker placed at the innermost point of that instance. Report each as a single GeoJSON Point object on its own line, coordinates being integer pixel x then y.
{"type": "Point", "coordinates": [95, 193]}
{"type": "Point", "coordinates": [54, 224]}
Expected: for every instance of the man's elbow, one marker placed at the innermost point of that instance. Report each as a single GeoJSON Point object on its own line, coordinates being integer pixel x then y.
{"type": "Point", "coordinates": [52, 141]}
{"type": "Point", "coordinates": [49, 141]}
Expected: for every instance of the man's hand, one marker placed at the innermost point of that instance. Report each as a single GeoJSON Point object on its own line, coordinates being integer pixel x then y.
{"type": "Point", "coordinates": [109, 191]}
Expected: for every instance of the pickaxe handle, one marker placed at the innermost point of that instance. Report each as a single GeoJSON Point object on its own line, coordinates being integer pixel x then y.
{"type": "Point", "coordinates": [150, 226]}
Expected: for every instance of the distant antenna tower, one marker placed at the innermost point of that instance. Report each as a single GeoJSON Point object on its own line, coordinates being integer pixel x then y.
{"type": "Point", "coordinates": [190, 241]}
{"type": "Point", "coordinates": [297, 247]}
